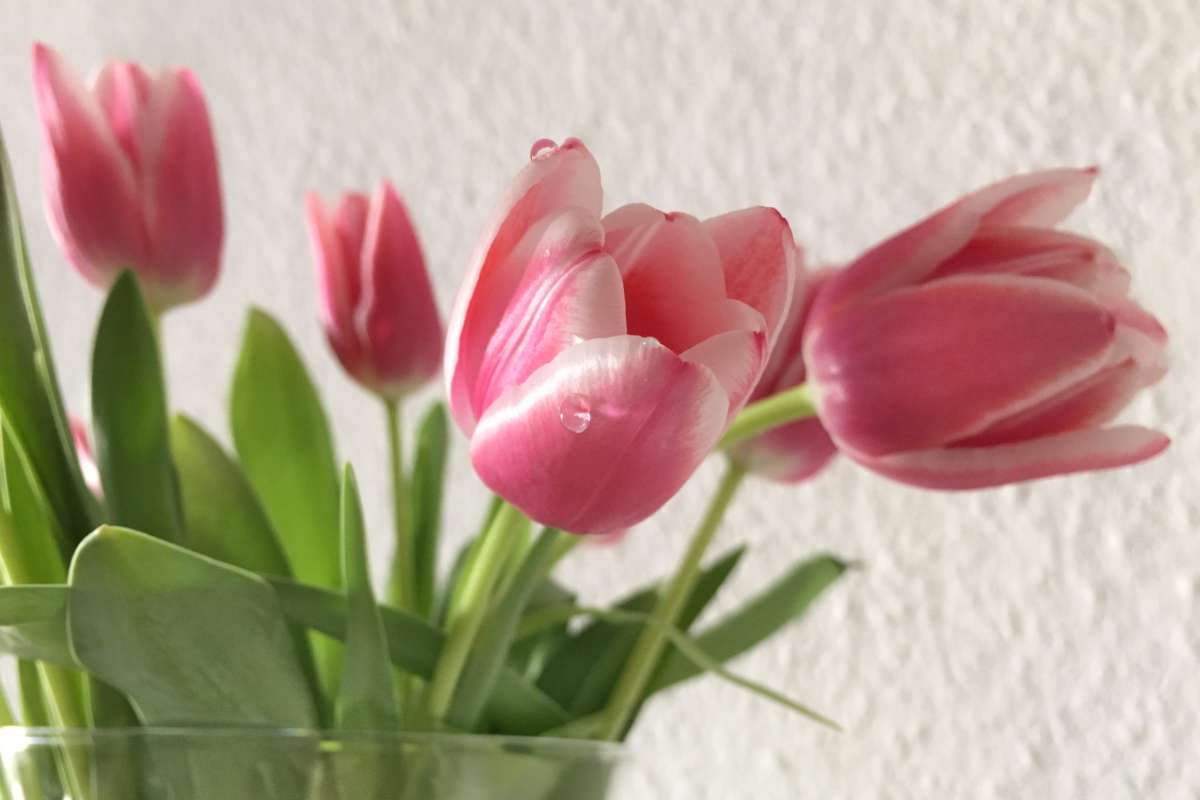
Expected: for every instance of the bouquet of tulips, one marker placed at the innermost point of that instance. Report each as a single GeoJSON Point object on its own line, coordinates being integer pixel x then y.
{"type": "Point", "coordinates": [593, 360]}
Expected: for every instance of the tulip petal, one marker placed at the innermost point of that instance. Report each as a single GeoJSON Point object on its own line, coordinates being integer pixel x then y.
{"type": "Point", "coordinates": [980, 467]}
{"type": "Point", "coordinates": [921, 367]}
{"type": "Point", "coordinates": [760, 261]}
{"type": "Point", "coordinates": [563, 306]}
{"type": "Point", "coordinates": [599, 438]}
{"type": "Point", "coordinates": [1042, 253]}
{"type": "Point", "coordinates": [556, 179]}
{"type": "Point", "coordinates": [790, 453]}
{"type": "Point", "coordinates": [785, 367]}
{"type": "Point", "coordinates": [123, 90]}
{"type": "Point", "coordinates": [335, 280]}
{"type": "Point", "coordinates": [736, 358]}
{"type": "Point", "coordinates": [911, 256]}
{"type": "Point", "coordinates": [397, 319]}
{"type": "Point", "coordinates": [669, 262]}
{"type": "Point", "coordinates": [182, 192]}
{"type": "Point", "coordinates": [91, 191]}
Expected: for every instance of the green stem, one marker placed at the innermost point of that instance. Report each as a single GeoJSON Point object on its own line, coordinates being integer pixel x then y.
{"type": "Point", "coordinates": [639, 669]}
{"type": "Point", "coordinates": [403, 580]}
{"type": "Point", "coordinates": [464, 621]}
{"type": "Point", "coordinates": [771, 412]}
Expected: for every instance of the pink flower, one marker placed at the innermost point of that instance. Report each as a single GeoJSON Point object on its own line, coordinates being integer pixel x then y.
{"type": "Point", "coordinates": [130, 176]}
{"type": "Point", "coordinates": [982, 347]}
{"type": "Point", "coordinates": [87, 461]}
{"type": "Point", "coordinates": [377, 305]}
{"type": "Point", "coordinates": [594, 362]}
{"type": "Point", "coordinates": [799, 450]}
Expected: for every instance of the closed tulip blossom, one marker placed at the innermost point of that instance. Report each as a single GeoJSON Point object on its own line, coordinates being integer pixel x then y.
{"type": "Point", "coordinates": [798, 450]}
{"type": "Point", "coordinates": [594, 360]}
{"type": "Point", "coordinates": [983, 347]}
{"type": "Point", "coordinates": [376, 301]}
{"type": "Point", "coordinates": [130, 176]}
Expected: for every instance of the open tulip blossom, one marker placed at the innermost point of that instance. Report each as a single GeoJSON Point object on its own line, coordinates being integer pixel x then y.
{"type": "Point", "coordinates": [594, 361]}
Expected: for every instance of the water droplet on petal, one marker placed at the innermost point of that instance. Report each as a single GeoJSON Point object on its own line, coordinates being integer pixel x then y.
{"type": "Point", "coordinates": [541, 148]}
{"type": "Point", "coordinates": [574, 413]}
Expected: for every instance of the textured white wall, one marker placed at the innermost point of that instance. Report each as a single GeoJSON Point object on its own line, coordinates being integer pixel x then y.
{"type": "Point", "coordinates": [1033, 642]}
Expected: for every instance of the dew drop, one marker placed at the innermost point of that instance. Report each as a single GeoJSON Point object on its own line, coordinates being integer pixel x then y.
{"type": "Point", "coordinates": [541, 148]}
{"type": "Point", "coordinates": [575, 414]}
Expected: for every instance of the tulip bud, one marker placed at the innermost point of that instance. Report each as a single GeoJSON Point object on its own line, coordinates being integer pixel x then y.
{"type": "Point", "coordinates": [376, 301]}
{"type": "Point", "coordinates": [87, 459]}
{"type": "Point", "coordinates": [982, 347]}
{"type": "Point", "coordinates": [798, 450]}
{"type": "Point", "coordinates": [595, 361]}
{"type": "Point", "coordinates": [130, 176]}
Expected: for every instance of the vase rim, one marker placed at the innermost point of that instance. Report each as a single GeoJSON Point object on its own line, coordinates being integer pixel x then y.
{"type": "Point", "coordinates": [17, 736]}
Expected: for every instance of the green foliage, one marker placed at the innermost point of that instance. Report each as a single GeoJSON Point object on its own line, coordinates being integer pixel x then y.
{"type": "Point", "coordinates": [426, 486]}
{"type": "Point", "coordinates": [189, 640]}
{"type": "Point", "coordinates": [366, 700]}
{"type": "Point", "coordinates": [29, 393]}
{"type": "Point", "coordinates": [129, 416]}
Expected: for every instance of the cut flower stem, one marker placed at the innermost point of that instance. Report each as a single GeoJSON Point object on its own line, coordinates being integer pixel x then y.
{"type": "Point", "coordinates": [770, 412]}
{"type": "Point", "coordinates": [639, 669]}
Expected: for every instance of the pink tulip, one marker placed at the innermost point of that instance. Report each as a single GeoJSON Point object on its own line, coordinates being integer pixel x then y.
{"type": "Point", "coordinates": [376, 301]}
{"type": "Point", "coordinates": [799, 450]}
{"type": "Point", "coordinates": [130, 176]}
{"type": "Point", "coordinates": [983, 347]}
{"type": "Point", "coordinates": [594, 362]}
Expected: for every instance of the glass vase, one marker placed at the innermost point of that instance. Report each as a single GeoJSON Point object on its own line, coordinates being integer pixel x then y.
{"type": "Point", "coordinates": [251, 764]}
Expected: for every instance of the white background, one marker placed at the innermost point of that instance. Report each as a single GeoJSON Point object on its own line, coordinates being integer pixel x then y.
{"type": "Point", "coordinates": [1033, 642]}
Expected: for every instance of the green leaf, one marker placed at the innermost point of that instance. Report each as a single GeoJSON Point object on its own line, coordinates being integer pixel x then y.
{"type": "Point", "coordinates": [366, 700]}
{"type": "Point", "coordinates": [129, 414]}
{"type": "Point", "coordinates": [189, 640]}
{"type": "Point", "coordinates": [284, 443]}
{"type": "Point", "coordinates": [223, 518]}
{"type": "Point", "coordinates": [495, 637]}
{"type": "Point", "coordinates": [782, 602]}
{"type": "Point", "coordinates": [689, 648]}
{"type": "Point", "coordinates": [29, 534]}
{"type": "Point", "coordinates": [29, 392]}
{"type": "Point", "coordinates": [33, 623]}
{"type": "Point", "coordinates": [583, 674]}
{"type": "Point", "coordinates": [515, 707]}
{"type": "Point", "coordinates": [428, 475]}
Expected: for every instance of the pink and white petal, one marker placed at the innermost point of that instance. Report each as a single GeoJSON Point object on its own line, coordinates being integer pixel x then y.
{"type": "Point", "coordinates": [90, 190]}
{"type": "Point", "coordinates": [1038, 199]}
{"type": "Point", "coordinates": [674, 282]}
{"type": "Point", "coordinates": [566, 177]}
{"type": "Point", "coordinates": [1089, 404]}
{"type": "Point", "coordinates": [912, 256]}
{"type": "Point", "coordinates": [921, 367]}
{"type": "Point", "coordinates": [736, 358]}
{"type": "Point", "coordinates": [571, 303]}
{"type": "Point", "coordinates": [123, 90]}
{"type": "Point", "coordinates": [182, 190]}
{"type": "Point", "coordinates": [599, 438]}
{"type": "Point", "coordinates": [397, 317]}
{"type": "Point", "coordinates": [785, 367]}
{"type": "Point", "coordinates": [760, 260]}
{"type": "Point", "coordinates": [333, 291]}
{"type": "Point", "coordinates": [982, 467]}
{"type": "Point", "coordinates": [788, 454]}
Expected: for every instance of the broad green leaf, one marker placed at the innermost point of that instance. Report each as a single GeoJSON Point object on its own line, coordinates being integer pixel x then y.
{"type": "Point", "coordinates": [516, 706]}
{"type": "Point", "coordinates": [428, 475]}
{"type": "Point", "coordinates": [489, 652]}
{"type": "Point", "coordinates": [223, 518]}
{"type": "Point", "coordinates": [189, 640]}
{"type": "Point", "coordinates": [530, 653]}
{"type": "Point", "coordinates": [782, 602]}
{"type": "Point", "coordinates": [284, 443]}
{"type": "Point", "coordinates": [28, 389]}
{"type": "Point", "coordinates": [366, 700]}
{"type": "Point", "coordinates": [129, 415]}
{"type": "Point", "coordinates": [583, 674]}
{"type": "Point", "coordinates": [30, 537]}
